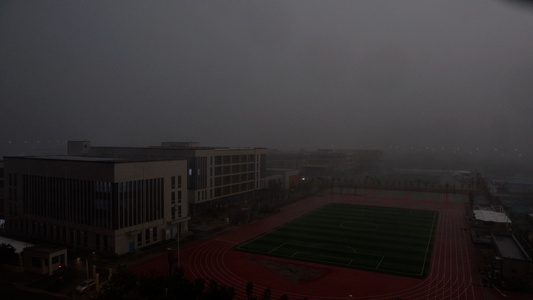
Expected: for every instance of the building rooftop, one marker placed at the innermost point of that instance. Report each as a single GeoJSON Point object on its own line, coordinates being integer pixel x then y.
{"type": "Point", "coordinates": [491, 216]}
{"type": "Point", "coordinates": [44, 248]}
{"type": "Point", "coordinates": [18, 245]}
{"type": "Point", "coordinates": [509, 247]}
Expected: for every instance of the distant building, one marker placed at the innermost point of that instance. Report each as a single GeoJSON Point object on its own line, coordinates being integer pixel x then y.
{"type": "Point", "coordinates": [487, 222]}
{"type": "Point", "coordinates": [524, 186]}
{"type": "Point", "coordinates": [328, 162]}
{"type": "Point", "coordinates": [113, 205]}
{"type": "Point", "coordinates": [287, 178]}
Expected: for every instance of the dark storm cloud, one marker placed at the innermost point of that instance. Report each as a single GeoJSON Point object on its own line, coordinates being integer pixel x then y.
{"type": "Point", "coordinates": [280, 74]}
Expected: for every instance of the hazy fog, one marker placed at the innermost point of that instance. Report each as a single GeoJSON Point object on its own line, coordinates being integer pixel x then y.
{"type": "Point", "coordinates": [295, 74]}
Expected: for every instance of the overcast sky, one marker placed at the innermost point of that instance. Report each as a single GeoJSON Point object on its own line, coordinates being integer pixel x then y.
{"type": "Point", "coordinates": [278, 74]}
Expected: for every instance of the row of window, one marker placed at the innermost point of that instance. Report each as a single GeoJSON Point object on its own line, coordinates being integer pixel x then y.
{"type": "Point", "coordinates": [91, 202]}
{"type": "Point", "coordinates": [73, 200]}
{"type": "Point", "coordinates": [175, 212]}
{"type": "Point", "coordinates": [141, 202]}
{"type": "Point", "coordinates": [63, 235]}
{"type": "Point", "coordinates": [12, 180]}
{"type": "Point", "coordinates": [150, 236]}
{"type": "Point", "coordinates": [173, 182]}
{"type": "Point", "coordinates": [173, 197]}
{"type": "Point", "coordinates": [233, 159]}
{"type": "Point", "coordinates": [225, 170]}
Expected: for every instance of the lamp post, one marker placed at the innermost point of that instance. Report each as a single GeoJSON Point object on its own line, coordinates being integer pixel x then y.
{"type": "Point", "coordinates": [87, 264]}
{"type": "Point", "coordinates": [179, 250]}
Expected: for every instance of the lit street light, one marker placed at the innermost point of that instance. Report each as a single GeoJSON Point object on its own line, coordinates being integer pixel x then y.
{"type": "Point", "coordinates": [87, 264]}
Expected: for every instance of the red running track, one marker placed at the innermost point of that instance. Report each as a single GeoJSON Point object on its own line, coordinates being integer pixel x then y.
{"type": "Point", "coordinates": [453, 270]}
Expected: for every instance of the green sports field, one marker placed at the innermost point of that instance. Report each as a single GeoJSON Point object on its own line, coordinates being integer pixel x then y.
{"type": "Point", "coordinates": [381, 239]}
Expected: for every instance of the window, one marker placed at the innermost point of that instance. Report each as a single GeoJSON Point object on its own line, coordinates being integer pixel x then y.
{"type": "Point", "coordinates": [179, 181]}
{"type": "Point", "coordinates": [173, 182]}
{"type": "Point", "coordinates": [173, 197]}
{"type": "Point", "coordinates": [147, 235]}
{"type": "Point", "coordinates": [154, 234]}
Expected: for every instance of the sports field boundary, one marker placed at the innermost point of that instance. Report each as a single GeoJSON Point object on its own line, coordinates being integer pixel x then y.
{"type": "Point", "coordinates": [399, 242]}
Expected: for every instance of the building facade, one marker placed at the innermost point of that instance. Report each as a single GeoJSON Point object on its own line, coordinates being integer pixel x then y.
{"type": "Point", "coordinates": [113, 205]}
{"type": "Point", "coordinates": [215, 175]}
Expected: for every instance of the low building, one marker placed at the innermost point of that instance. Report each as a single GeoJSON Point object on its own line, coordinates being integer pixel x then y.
{"type": "Point", "coordinates": [523, 187]}
{"type": "Point", "coordinates": [514, 263]}
{"type": "Point", "coordinates": [44, 259]}
{"type": "Point", "coordinates": [488, 220]}
{"type": "Point", "coordinates": [288, 178]}
{"type": "Point", "coordinates": [328, 162]}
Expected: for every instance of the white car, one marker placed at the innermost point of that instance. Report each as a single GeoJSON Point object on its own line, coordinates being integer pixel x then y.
{"type": "Point", "coordinates": [85, 286]}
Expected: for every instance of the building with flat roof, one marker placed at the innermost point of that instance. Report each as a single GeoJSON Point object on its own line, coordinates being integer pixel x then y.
{"type": "Point", "coordinates": [107, 204]}
{"type": "Point", "coordinates": [118, 199]}
{"type": "Point", "coordinates": [44, 259]}
{"type": "Point", "coordinates": [215, 175]}
{"type": "Point", "coordinates": [514, 261]}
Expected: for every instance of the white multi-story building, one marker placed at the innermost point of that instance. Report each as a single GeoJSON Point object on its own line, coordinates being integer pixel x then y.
{"type": "Point", "coordinates": [113, 205]}
{"type": "Point", "coordinates": [118, 199]}
{"type": "Point", "coordinates": [215, 175]}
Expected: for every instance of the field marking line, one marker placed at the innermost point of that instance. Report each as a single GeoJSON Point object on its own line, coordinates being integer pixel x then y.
{"type": "Point", "coordinates": [320, 255]}
{"type": "Point", "coordinates": [342, 225]}
{"type": "Point", "coordinates": [382, 258]}
{"type": "Point", "coordinates": [429, 242]}
{"type": "Point", "coordinates": [281, 245]}
{"type": "Point", "coordinates": [315, 246]}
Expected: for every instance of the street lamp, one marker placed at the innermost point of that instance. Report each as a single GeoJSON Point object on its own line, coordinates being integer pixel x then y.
{"type": "Point", "coordinates": [87, 264]}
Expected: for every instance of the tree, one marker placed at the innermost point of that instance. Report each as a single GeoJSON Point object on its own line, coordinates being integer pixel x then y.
{"type": "Point", "coordinates": [267, 294]}
{"type": "Point", "coordinates": [249, 289]}
{"type": "Point", "coordinates": [122, 285]}
{"type": "Point", "coordinates": [8, 254]}
{"type": "Point", "coordinates": [218, 292]}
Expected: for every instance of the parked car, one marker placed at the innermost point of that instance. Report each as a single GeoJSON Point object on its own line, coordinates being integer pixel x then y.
{"type": "Point", "coordinates": [85, 286]}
